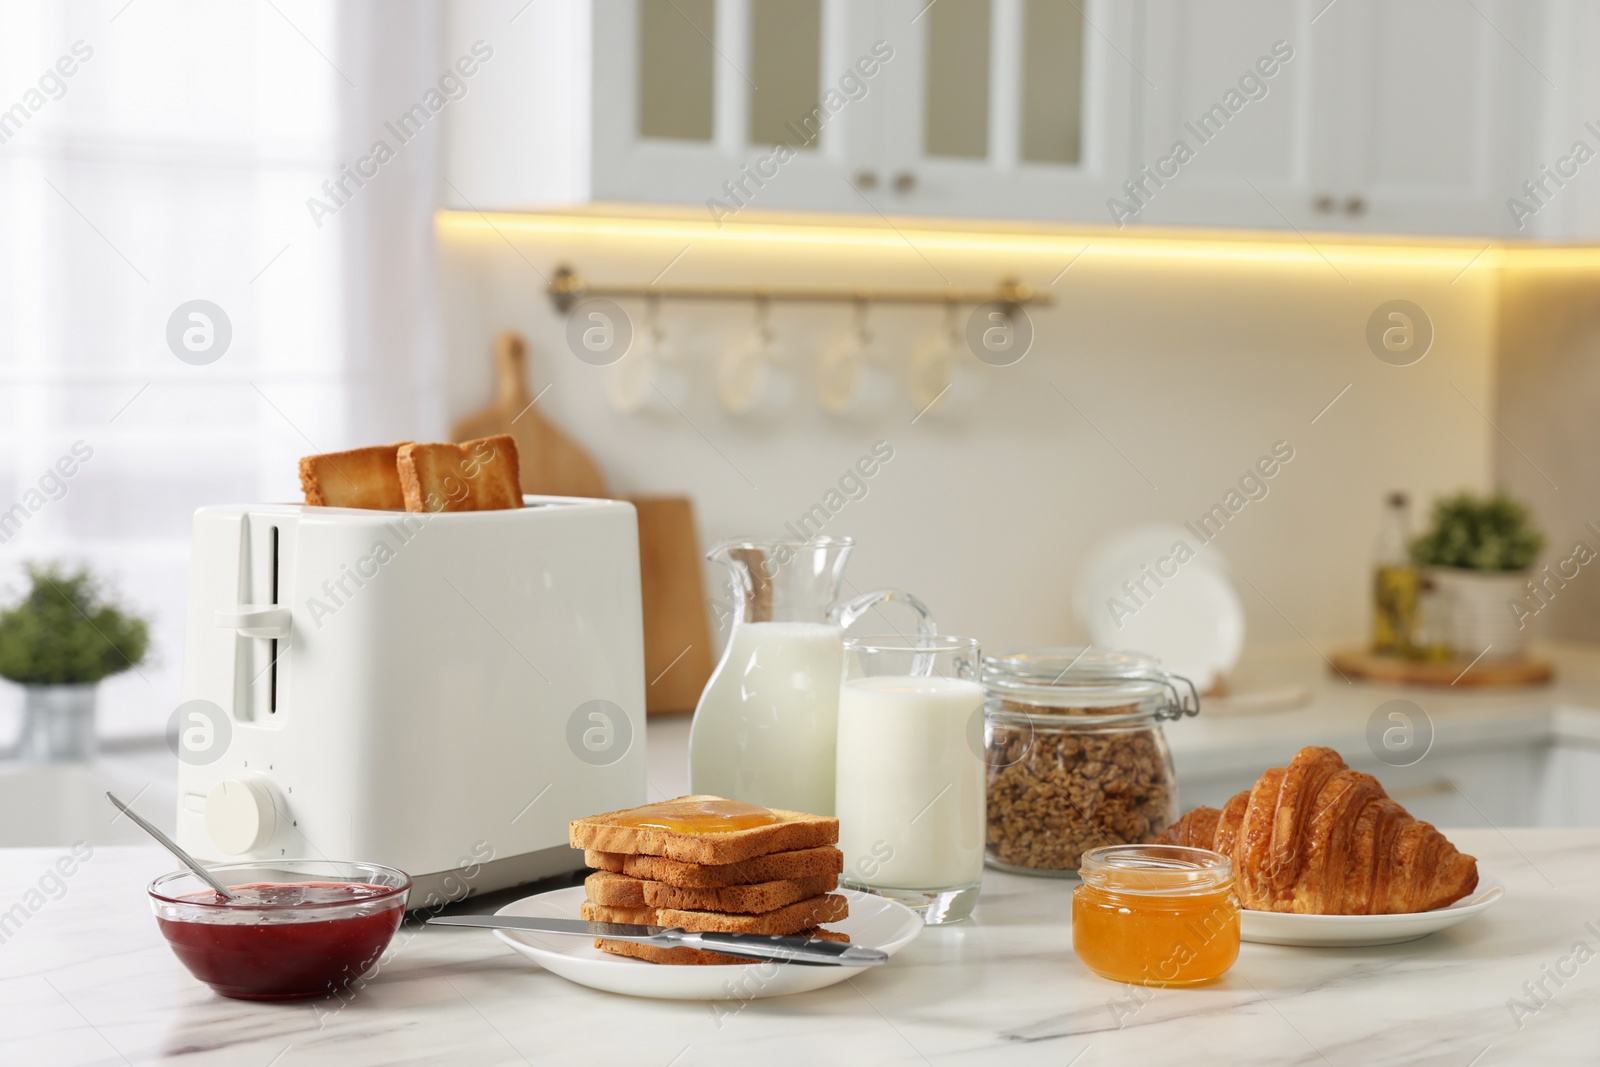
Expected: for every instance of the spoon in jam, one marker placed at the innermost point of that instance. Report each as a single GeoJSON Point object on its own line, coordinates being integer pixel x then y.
{"type": "Point", "coordinates": [172, 846]}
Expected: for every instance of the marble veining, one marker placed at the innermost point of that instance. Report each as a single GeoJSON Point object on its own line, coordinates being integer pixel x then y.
{"type": "Point", "coordinates": [87, 980]}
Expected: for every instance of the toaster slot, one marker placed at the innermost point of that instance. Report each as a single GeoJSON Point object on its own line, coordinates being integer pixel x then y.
{"type": "Point", "coordinates": [272, 667]}
{"type": "Point", "coordinates": [256, 680]}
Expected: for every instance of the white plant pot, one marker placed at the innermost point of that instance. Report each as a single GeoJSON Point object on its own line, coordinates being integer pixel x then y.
{"type": "Point", "coordinates": [1476, 607]}
{"type": "Point", "coordinates": [57, 723]}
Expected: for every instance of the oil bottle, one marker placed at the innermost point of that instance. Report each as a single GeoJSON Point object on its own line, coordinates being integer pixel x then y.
{"type": "Point", "coordinates": [1396, 582]}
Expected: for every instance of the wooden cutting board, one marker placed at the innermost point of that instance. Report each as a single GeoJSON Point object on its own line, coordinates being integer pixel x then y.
{"type": "Point", "coordinates": [553, 464]}
{"type": "Point", "coordinates": [677, 638]}
{"type": "Point", "coordinates": [1365, 665]}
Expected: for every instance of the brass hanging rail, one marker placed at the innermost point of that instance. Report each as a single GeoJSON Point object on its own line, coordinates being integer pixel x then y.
{"type": "Point", "coordinates": [568, 287]}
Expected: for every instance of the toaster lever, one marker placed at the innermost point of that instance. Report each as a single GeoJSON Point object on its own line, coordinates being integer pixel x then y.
{"type": "Point", "coordinates": [256, 620]}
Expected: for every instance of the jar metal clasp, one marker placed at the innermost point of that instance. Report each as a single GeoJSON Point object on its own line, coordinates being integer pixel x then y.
{"type": "Point", "coordinates": [1184, 698]}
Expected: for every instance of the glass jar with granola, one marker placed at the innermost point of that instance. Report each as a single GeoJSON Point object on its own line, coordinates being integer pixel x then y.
{"type": "Point", "coordinates": [1075, 755]}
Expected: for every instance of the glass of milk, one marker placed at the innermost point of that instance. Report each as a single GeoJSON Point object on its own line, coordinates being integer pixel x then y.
{"type": "Point", "coordinates": [909, 787]}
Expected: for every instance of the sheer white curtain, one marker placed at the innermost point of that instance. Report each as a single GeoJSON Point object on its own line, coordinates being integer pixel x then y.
{"type": "Point", "coordinates": [159, 152]}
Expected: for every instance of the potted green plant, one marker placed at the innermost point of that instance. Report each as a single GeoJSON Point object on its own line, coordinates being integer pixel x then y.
{"type": "Point", "coordinates": [58, 642]}
{"type": "Point", "coordinates": [1478, 552]}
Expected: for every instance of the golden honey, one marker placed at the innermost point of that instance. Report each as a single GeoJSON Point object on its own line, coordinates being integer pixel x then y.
{"type": "Point", "coordinates": [1160, 915]}
{"type": "Point", "coordinates": [699, 816]}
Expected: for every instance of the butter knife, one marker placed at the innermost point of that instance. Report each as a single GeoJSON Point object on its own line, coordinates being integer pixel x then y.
{"type": "Point", "coordinates": [749, 946]}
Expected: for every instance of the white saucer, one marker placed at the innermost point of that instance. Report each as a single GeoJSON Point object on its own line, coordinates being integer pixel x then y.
{"type": "Point", "coordinates": [1279, 928]}
{"type": "Point", "coordinates": [874, 922]}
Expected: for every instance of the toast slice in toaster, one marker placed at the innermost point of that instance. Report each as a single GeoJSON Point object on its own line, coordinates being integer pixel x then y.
{"type": "Point", "coordinates": [481, 475]}
{"type": "Point", "coordinates": [621, 831]}
{"type": "Point", "coordinates": [360, 478]}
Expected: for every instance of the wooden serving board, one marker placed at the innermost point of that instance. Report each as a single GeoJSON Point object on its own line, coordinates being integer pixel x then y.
{"type": "Point", "coordinates": [1365, 665]}
{"type": "Point", "coordinates": [677, 637]}
{"type": "Point", "coordinates": [553, 464]}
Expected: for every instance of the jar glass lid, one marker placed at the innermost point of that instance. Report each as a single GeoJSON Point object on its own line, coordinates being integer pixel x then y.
{"type": "Point", "coordinates": [1155, 870]}
{"type": "Point", "coordinates": [1065, 678]}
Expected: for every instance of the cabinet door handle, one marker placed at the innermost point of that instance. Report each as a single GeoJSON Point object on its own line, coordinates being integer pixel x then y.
{"type": "Point", "coordinates": [1355, 205]}
{"type": "Point", "coordinates": [1325, 204]}
{"type": "Point", "coordinates": [866, 179]}
{"type": "Point", "coordinates": [904, 182]}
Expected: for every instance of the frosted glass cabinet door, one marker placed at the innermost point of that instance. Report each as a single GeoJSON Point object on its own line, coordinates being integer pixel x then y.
{"type": "Point", "coordinates": [1006, 108]}
{"type": "Point", "coordinates": [728, 104]}
{"type": "Point", "coordinates": [676, 70]}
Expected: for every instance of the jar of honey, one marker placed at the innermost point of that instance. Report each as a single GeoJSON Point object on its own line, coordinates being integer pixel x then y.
{"type": "Point", "coordinates": [1160, 915]}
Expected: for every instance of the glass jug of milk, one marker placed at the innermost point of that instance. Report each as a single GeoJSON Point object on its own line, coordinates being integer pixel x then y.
{"type": "Point", "coordinates": [766, 726]}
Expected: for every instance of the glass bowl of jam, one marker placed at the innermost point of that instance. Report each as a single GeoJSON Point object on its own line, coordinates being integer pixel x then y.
{"type": "Point", "coordinates": [300, 928]}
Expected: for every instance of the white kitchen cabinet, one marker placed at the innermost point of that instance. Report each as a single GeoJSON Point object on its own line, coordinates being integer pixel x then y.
{"type": "Point", "coordinates": [1416, 117]}
{"type": "Point", "coordinates": [656, 101]}
{"type": "Point", "coordinates": [1569, 793]}
{"type": "Point", "coordinates": [1563, 198]}
{"type": "Point", "coordinates": [1441, 111]}
{"type": "Point", "coordinates": [785, 88]}
{"type": "Point", "coordinates": [1003, 108]}
{"type": "Point", "coordinates": [1502, 785]}
{"type": "Point", "coordinates": [967, 107]}
{"type": "Point", "coordinates": [1356, 115]}
{"type": "Point", "coordinates": [1227, 137]}
{"type": "Point", "coordinates": [1549, 776]}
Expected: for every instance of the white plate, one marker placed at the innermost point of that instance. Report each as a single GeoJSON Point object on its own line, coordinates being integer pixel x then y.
{"type": "Point", "coordinates": [1194, 623]}
{"type": "Point", "coordinates": [1124, 554]}
{"type": "Point", "coordinates": [1277, 928]}
{"type": "Point", "coordinates": [874, 922]}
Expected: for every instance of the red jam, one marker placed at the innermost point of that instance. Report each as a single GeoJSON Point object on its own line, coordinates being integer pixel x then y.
{"type": "Point", "coordinates": [263, 946]}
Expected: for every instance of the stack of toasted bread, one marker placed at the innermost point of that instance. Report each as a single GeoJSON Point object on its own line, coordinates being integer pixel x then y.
{"type": "Point", "coordinates": [774, 878]}
{"type": "Point", "coordinates": [481, 475]}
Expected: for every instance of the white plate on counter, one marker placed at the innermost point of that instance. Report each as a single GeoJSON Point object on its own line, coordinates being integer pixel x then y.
{"type": "Point", "coordinates": [1193, 622]}
{"type": "Point", "coordinates": [1280, 928]}
{"type": "Point", "coordinates": [874, 922]}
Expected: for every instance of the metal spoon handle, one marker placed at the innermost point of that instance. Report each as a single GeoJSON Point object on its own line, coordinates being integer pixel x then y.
{"type": "Point", "coordinates": [172, 846]}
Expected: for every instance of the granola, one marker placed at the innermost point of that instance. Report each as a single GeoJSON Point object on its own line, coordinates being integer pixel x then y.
{"type": "Point", "coordinates": [1056, 790]}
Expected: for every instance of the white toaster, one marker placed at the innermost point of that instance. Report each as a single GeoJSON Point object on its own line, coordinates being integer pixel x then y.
{"type": "Point", "coordinates": [440, 693]}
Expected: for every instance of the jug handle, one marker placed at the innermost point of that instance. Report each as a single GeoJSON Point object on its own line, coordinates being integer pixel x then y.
{"type": "Point", "coordinates": [846, 614]}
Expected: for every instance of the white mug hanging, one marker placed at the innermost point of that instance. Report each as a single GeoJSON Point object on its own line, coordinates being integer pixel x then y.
{"type": "Point", "coordinates": [851, 381]}
{"type": "Point", "coordinates": [750, 377]}
{"type": "Point", "coordinates": [649, 379]}
{"type": "Point", "coordinates": [943, 383]}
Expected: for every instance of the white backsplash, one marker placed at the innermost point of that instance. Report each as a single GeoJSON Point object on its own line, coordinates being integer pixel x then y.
{"type": "Point", "coordinates": [1153, 386]}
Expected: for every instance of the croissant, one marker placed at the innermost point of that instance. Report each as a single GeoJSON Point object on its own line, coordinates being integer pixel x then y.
{"type": "Point", "coordinates": [1318, 838]}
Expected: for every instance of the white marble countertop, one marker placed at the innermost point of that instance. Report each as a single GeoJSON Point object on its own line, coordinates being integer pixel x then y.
{"type": "Point", "coordinates": [86, 979]}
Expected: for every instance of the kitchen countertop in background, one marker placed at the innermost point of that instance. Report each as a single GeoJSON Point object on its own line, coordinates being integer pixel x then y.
{"type": "Point", "coordinates": [1215, 753]}
{"type": "Point", "coordinates": [1339, 710]}
{"type": "Point", "coordinates": [87, 980]}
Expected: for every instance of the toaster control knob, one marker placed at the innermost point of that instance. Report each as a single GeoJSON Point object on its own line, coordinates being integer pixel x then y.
{"type": "Point", "coordinates": [240, 816]}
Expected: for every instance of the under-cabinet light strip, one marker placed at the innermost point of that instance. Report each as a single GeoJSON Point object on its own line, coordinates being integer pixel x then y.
{"type": "Point", "coordinates": [1452, 254]}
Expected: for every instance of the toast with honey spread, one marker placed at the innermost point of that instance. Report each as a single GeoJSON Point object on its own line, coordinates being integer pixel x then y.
{"type": "Point", "coordinates": [710, 865]}
{"type": "Point", "coordinates": [703, 830]}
